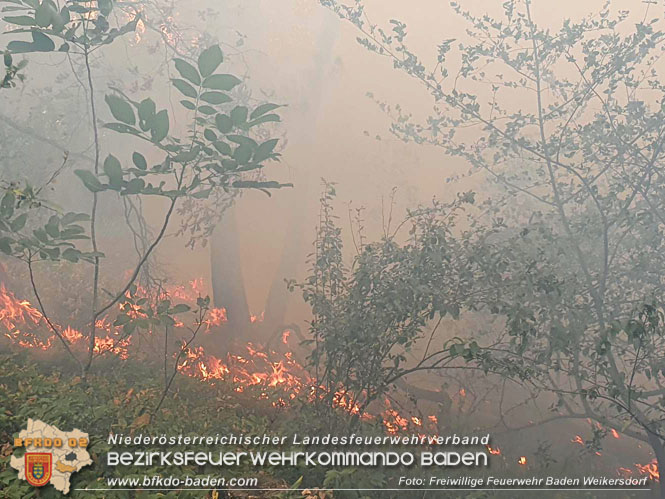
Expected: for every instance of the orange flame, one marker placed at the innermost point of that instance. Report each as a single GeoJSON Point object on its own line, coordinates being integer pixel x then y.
{"type": "Point", "coordinates": [14, 312]}
{"type": "Point", "coordinates": [216, 316]}
{"type": "Point", "coordinates": [625, 472]}
{"type": "Point", "coordinates": [522, 461]}
{"type": "Point", "coordinates": [256, 318]}
{"type": "Point", "coordinates": [650, 469]}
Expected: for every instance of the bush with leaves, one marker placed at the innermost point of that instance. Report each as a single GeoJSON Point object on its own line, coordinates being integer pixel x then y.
{"type": "Point", "coordinates": [367, 319]}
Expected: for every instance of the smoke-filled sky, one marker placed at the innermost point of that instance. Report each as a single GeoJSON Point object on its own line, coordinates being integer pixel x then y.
{"type": "Point", "coordinates": [298, 53]}
{"type": "Point", "coordinates": [312, 62]}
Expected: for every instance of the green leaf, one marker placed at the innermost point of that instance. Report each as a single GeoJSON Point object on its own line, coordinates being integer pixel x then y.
{"type": "Point", "coordinates": [187, 71]}
{"type": "Point", "coordinates": [134, 186]}
{"type": "Point", "coordinates": [44, 15]}
{"type": "Point", "coordinates": [18, 47]}
{"type": "Point", "coordinates": [209, 60]}
{"type": "Point", "coordinates": [52, 227]}
{"type": "Point", "coordinates": [146, 114]}
{"type": "Point", "coordinates": [7, 204]}
{"type": "Point", "coordinates": [221, 82]}
{"type": "Point", "coordinates": [187, 155]}
{"type": "Point", "coordinates": [122, 128]}
{"type": "Point", "coordinates": [243, 140]}
{"type": "Point", "coordinates": [122, 319]}
{"type": "Point", "coordinates": [229, 164]}
{"type": "Point", "coordinates": [72, 217]}
{"type": "Point", "coordinates": [120, 109]}
{"type": "Point", "coordinates": [19, 222]}
{"type": "Point", "coordinates": [161, 126]}
{"type": "Point", "coordinates": [113, 170]}
{"type": "Point", "coordinates": [89, 180]}
{"type": "Point", "coordinates": [263, 109]}
{"type": "Point", "coordinates": [8, 59]}
{"type": "Point", "coordinates": [223, 148]}
{"type": "Point", "coordinates": [207, 110]}
{"type": "Point", "coordinates": [40, 43]}
{"type": "Point", "coordinates": [105, 7]}
{"type": "Point", "coordinates": [264, 151]}
{"type": "Point", "coordinates": [185, 88]}
{"type": "Point", "coordinates": [139, 161]}
{"type": "Point", "coordinates": [265, 119]}
{"type": "Point", "coordinates": [239, 115]}
{"type": "Point", "coordinates": [242, 154]}
{"type": "Point", "coordinates": [41, 235]}
{"type": "Point", "coordinates": [253, 184]}
{"type": "Point", "coordinates": [129, 328]}
{"type": "Point", "coordinates": [215, 97]}
{"type": "Point", "coordinates": [79, 9]}
{"type": "Point", "coordinates": [5, 245]}
{"type": "Point", "coordinates": [71, 255]}
{"type": "Point", "coordinates": [224, 123]}
{"type": "Point", "coordinates": [204, 194]}
{"type": "Point", "coordinates": [210, 135]}
{"type": "Point", "coordinates": [188, 104]}
{"type": "Point", "coordinates": [180, 308]}
{"type": "Point", "coordinates": [20, 20]}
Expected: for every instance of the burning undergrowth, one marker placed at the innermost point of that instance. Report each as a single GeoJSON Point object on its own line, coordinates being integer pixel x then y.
{"type": "Point", "coordinates": [275, 379]}
{"type": "Point", "coordinates": [275, 376]}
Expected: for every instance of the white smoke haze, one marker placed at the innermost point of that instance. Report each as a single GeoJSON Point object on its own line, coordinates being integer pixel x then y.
{"type": "Point", "coordinates": [340, 104]}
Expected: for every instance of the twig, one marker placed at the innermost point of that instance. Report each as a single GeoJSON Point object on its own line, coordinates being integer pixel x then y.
{"type": "Point", "coordinates": [46, 317]}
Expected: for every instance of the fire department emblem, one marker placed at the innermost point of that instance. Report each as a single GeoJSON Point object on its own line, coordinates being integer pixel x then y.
{"type": "Point", "coordinates": [51, 455]}
{"type": "Point", "coordinates": [38, 468]}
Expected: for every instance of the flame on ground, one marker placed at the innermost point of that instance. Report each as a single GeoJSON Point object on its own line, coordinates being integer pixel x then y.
{"type": "Point", "coordinates": [278, 377]}
{"type": "Point", "coordinates": [257, 318]}
{"type": "Point", "coordinates": [650, 469]}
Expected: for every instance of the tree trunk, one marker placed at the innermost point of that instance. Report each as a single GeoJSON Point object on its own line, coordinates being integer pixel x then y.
{"type": "Point", "coordinates": [657, 446]}
{"type": "Point", "coordinates": [228, 286]}
{"type": "Point", "coordinates": [292, 254]}
{"type": "Point", "coordinates": [292, 257]}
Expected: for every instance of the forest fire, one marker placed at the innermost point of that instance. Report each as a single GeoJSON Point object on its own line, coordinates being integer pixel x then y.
{"type": "Point", "coordinates": [275, 376]}
{"type": "Point", "coordinates": [257, 369]}
{"type": "Point", "coordinates": [493, 284]}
